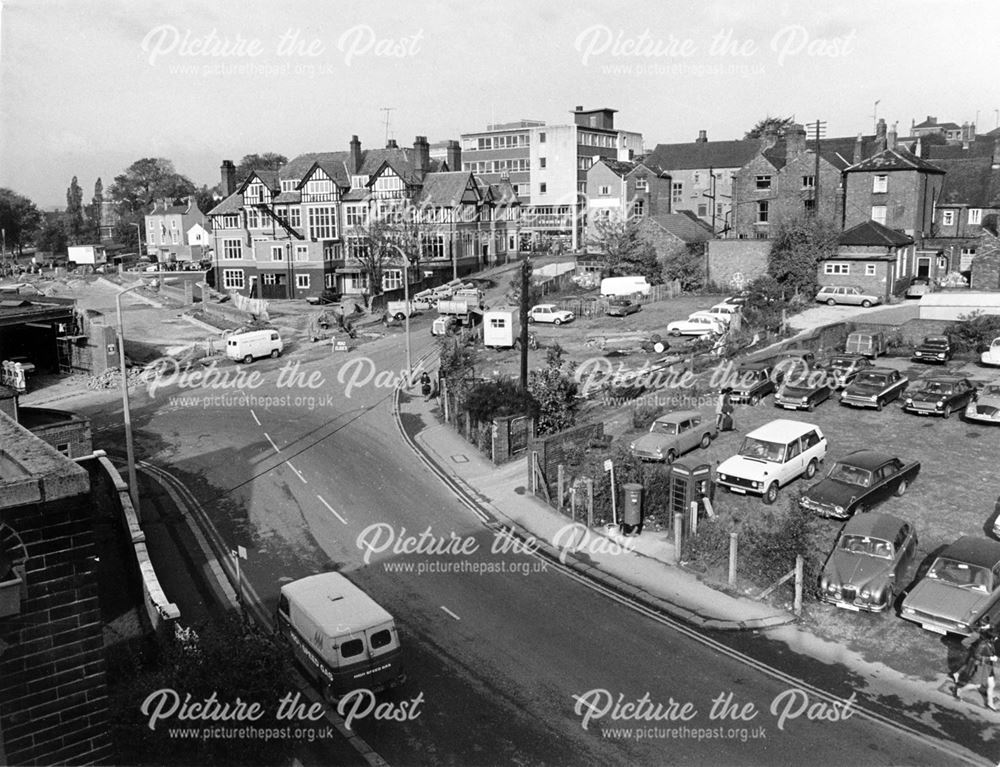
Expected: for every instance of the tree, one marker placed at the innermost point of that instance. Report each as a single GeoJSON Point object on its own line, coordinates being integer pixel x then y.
{"type": "Point", "coordinates": [796, 251]}
{"type": "Point", "coordinates": [686, 264]}
{"type": "Point", "coordinates": [94, 212]}
{"type": "Point", "coordinates": [778, 124]}
{"type": "Point", "coordinates": [625, 250]}
{"type": "Point", "coordinates": [266, 161]}
{"type": "Point", "coordinates": [19, 218]}
{"type": "Point", "coordinates": [51, 235]}
{"type": "Point", "coordinates": [206, 197]}
{"type": "Point", "coordinates": [74, 213]}
{"type": "Point", "coordinates": [148, 179]}
{"type": "Point", "coordinates": [384, 238]}
{"type": "Point", "coordinates": [554, 389]}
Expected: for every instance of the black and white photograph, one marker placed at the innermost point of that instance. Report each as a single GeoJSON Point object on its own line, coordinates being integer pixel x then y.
{"type": "Point", "coordinates": [488, 384]}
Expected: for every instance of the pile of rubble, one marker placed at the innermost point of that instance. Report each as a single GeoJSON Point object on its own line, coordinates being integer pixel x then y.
{"type": "Point", "coordinates": [112, 379]}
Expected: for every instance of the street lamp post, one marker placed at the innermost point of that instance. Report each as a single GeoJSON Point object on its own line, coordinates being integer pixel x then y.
{"type": "Point", "coordinates": [406, 312]}
{"type": "Point", "coordinates": [126, 413]}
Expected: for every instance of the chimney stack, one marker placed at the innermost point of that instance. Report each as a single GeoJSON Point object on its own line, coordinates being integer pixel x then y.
{"type": "Point", "coordinates": [391, 144]}
{"type": "Point", "coordinates": [995, 164]}
{"type": "Point", "coordinates": [421, 154]}
{"type": "Point", "coordinates": [453, 155]}
{"type": "Point", "coordinates": [795, 140]}
{"type": "Point", "coordinates": [890, 139]}
{"type": "Point", "coordinates": [228, 178]}
{"type": "Point", "coordinates": [859, 150]}
{"type": "Point", "coordinates": [702, 137]}
{"type": "Point", "coordinates": [880, 140]}
{"type": "Point", "coordinates": [355, 151]}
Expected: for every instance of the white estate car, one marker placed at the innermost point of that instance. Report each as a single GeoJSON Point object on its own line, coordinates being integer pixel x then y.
{"type": "Point", "coordinates": [771, 457]}
{"type": "Point", "coordinates": [992, 355]}
{"type": "Point", "coordinates": [723, 312]}
{"type": "Point", "coordinates": [696, 325]}
{"type": "Point", "coordinates": [549, 313]}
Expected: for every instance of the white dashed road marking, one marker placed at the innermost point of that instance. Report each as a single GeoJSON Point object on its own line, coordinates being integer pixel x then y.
{"type": "Point", "coordinates": [450, 613]}
{"type": "Point", "coordinates": [276, 448]}
{"type": "Point", "coordinates": [332, 510]}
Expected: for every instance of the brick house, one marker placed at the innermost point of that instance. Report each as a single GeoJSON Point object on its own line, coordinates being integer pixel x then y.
{"type": "Point", "coordinates": [985, 271]}
{"type": "Point", "coordinates": [620, 190]}
{"type": "Point", "coordinates": [869, 256]}
{"type": "Point", "coordinates": [167, 226]}
{"type": "Point", "coordinates": [297, 231]}
{"type": "Point", "coordinates": [701, 173]}
{"type": "Point", "coordinates": [53, 694]}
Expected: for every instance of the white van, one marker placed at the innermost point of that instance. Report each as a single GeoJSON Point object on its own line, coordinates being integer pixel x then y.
{"type": "Point", "coordinates": [340, 635]}
{"type": "Point", "coordinates": [253, 344]}
{"type": "Point", "coordinates": [624, 286]}
{"type": "Point", "coordinates": [772, 456]}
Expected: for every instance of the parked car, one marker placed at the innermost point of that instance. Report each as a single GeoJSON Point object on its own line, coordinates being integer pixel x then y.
{"type": "Point", "coordinates": [804, 394]}
{"type": "Point", "coordinates": [772, 456]}
{"type": "Point", "coordinates": [695, 326]}
{"type": "Point", "coordinates": [867, 564]}
{"type": "Point", "coordinates": [722, 312]}
{"type": "Point", "coordinates": [940, 395]}
{"type": "Point", "coordinates": [870, 344]}
{"type": "Point", "coordinates": [933, 349]}
{"type": "Point", "coordinates": [672, 435]}
{"type": "Point", "coordinates": [920, 286]}
{"type": "Point", "coordinates": [961, 583]}
{"type": "Point", "coordinates": [622, 307]}
{"type": "Point", "coordinates": [992, 355]}
{"type": "Point", "coordinates": [985, 406]}
{"type": "Point", "coordinates": [549, 313]}
{"type": "Point", "coordinates": [752, 384]}
{"type": "Point", "coordinates": [874, 387]}
{"type": "Point", "coordinates": [857, 482]}
{"type": "Point", "coordinates": [738, 300]}
{"type": "Point", "coordinates": [832, 294]}
{"type": "Point", "coordinates": [842, 370]}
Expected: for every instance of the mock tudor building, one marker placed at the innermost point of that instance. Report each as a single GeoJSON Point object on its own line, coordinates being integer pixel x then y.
{"type": "Point", "coordinates": [297, 231]}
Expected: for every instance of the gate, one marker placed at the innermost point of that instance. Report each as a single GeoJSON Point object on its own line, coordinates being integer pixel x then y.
{"type": "Point", "coordinates": [274, 286]}
{"type": "Point", "coordinates": [520, 431]}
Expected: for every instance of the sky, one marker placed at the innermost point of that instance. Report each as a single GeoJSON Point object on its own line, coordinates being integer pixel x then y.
{"type": "Point", "coordinates": [89, 86]}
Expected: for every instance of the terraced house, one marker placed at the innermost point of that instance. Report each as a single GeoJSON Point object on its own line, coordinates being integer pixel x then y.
{"type": "Point", "coordinates": [303, 229]}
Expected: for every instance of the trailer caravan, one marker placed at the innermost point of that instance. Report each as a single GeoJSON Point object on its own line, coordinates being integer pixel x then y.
{"type": "Point", "coordinates": [501, 328]}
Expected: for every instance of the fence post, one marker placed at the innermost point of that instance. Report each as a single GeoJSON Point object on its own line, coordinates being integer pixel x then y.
{"type": "Point", "coordinates": [533, 459]}
{"type": "Point", "coordinates": [678, 521]}
{"type": "Point", "coordinates": [444, 398]}
{"type": "Point", "coordinates": [733, 551]}
{"type": "Point", "coordinates": [572, 503]}
{"type": "Point", "coordinates": [694, 517]}
{"type": "Point", "coordinates": [799, 567]}
{"type": "Point", "coordinates": [590, 502]}
{"type": "Point", "coordinates": [560, 486]}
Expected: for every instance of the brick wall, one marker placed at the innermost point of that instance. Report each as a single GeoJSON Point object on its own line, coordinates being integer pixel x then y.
{"type": "Point", "coordinates": [558, 449]}
{"type": "Point", "coordinates": [730, 261]}
{"type": "Point", "coordinates": [879, 284]}
{"type": "Point", "coordinates": [53, 696]}
{"type": "Point", "coordinates": [986, 264]}
{"type": "Point", "coordinates": [908, 201]}
{"type": "Point", "coordinates": [70, 430]}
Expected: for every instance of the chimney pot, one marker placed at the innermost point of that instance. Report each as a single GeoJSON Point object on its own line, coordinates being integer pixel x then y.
{"type": "Point", "coordinates": [702, 137]}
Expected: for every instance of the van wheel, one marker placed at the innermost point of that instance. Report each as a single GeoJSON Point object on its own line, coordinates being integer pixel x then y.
{"type": "Point", "coordinates": [275, 354]}
{"type": "Point", "coordinates": [831, 302]}
{"type": "Point", "coordinates": [706, 440]}
{"type": "Point", "coordinates": [399, 317]}
{"type": "Point", "coordinates": [771, 493]}
{"type": "Point", "coordinates": [866, 304]}
{"type": "Point", "coordinates": [248, 359]}
{"type": "Point", "coordinates": [811, 469]}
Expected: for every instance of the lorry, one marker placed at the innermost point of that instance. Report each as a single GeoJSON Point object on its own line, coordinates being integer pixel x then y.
{"type": "Point", "coordinates": [456, 312]}
{"type": "Point", "coordinates": [397, 310]}
{"type": "Point", "coordinates": [91, 255]}
{"type": "Point", "coordinates": [501, 328]}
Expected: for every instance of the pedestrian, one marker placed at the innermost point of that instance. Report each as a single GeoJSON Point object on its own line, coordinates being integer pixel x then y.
{"type": "Point", "coordinates": [979, 671]}
{"type": "Point", "coordinates": [724, 411]}
{"type": "Point", "coordinates": [425, 385]}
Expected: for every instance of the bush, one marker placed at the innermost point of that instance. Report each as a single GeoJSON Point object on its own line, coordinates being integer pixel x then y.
{"type": "Point", "coordinates": [500, 397]}
{"type": "Point", "coordinates": [974, 332]}
{"type": "Point", "coordinates": [901, 286]}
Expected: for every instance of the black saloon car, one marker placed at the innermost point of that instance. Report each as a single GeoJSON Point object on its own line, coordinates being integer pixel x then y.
{"type": "Point", "coordinates": [804, 394]}
{"type": "Point", "coordinates": [843, 369]}
{"type": "Point", "coordinates": [940, 395]}
{"type": "Point", "coordinates": [622, 307]}
{"type": "Point", "coordinates": [933, 349]}
{"type": "Point", "coordinates": [753, 383]}
{"type": "Point", "coordinates": [857, 482]}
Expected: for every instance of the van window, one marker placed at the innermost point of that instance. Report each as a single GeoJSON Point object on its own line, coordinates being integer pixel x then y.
{"type": "Point", "coordinates": [380, 639]}
{"type": "Point", "coordinates": [352, 647]}
{"type": "Point", "coordinates": [794, 449]}
{"type": "Point", "coordinates": [274, 336]}
{"type": "Point", "coordinates": [232, 342]}
{"type": "Point", "coordinates": [810, 440]}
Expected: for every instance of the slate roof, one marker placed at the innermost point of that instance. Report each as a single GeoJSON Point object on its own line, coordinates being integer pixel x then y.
{"type": "Point", "coordinates": [287, 197]}
{"type": "Point", "coordinates": [873, 233]}
{"type": "Point", "coordinates": [694, 155]}
{"type": "Point", "coordinates": [684, 225]}
{"type": "Point", "coordinates": [931, 122]}
{"type": "Point", "coordinates": [893, 159]}
{"type": "Point", "coordinates": [267, 177]}
{"type": "Point", "coordinates": [839, 151]}
{"type": "Point", "coordinates": [447, 190]}
{"type": "Point", "coordinates": [232, 204]}
{"type": "Point", "coordinates": [620, 168]}
{"type": "Point", "coordinates": [978, 148]}
{"type": "Point", "coordinates": [297, 167]}
{"type": "Point", "coordinates": [971, 182]}
{"type": "Point", "coordinates": [502, 193]}
{"type": "Point", "coordinates": [162, 210]}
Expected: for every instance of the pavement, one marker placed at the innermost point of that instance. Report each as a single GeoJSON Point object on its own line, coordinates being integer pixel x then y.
{"type": "Point", "coordinates": [643, 567]}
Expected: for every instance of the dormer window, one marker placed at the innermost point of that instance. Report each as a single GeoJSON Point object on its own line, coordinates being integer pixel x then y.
{"type": "Point", "coordinates": [316, 186]}
{"type": "Point", "coordinates": [288, 185]}
{"type": "Point", "coordinates": [359, 182]}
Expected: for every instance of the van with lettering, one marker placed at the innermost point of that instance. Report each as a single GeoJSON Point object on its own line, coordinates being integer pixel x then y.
{"type": "Point", "coordinates": [254, 344]}
{"type": "Point", "coordinates": [342, 637]}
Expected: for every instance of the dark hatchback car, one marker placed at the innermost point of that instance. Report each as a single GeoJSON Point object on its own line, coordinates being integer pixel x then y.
{"type": "Point", "coordinates": [933, 349]}
{"type": "Point", "coordinates": [622, 307]}
{"type": "Point", "coordinates": [867, 565]}
{"type": "Point", "coordinates": [857, 482]}
{"type": "Point", "coordinates": [753, 383]}
{"type": "Point", "coordinates": [940, 395]}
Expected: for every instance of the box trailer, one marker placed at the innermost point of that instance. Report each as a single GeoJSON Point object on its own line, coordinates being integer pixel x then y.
{"type": "Point", "coordinates": [91, 255]}
{"type": "Point", "coordinates": [501, 328]}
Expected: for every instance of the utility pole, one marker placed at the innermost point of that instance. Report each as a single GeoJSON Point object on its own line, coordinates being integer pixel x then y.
{"type": "Point", "coordinates": [711, 195]}
{"type": "Point", "coordinates": [875, 115]}
{"type": "Point", "coordinates": [525, 282]}
{"type": "Point", "coordinates": [820, 128]}
{"type": "Point", "coordinates": [388, 111]}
